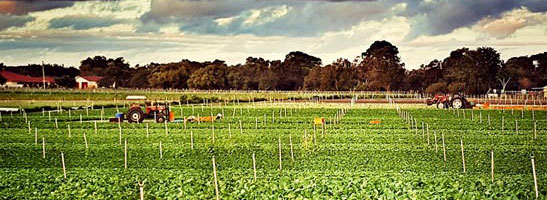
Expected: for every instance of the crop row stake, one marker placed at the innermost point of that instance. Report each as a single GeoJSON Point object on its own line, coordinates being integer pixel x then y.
{"type": "Point", "coordinates": [85, 141]}
{"type": "Point", "coordinates": [215, 179]}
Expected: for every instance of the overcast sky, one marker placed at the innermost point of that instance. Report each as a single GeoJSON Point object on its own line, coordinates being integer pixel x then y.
{"type": "Point", "coordinates": [144, 31]}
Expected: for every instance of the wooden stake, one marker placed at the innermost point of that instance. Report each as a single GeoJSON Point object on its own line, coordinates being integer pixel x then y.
{"type": "Point", "coordinates": [290, 143]}
{"type": "Point", "coordinates": [56, 124]}
{"type": "Point", "coordinates": [125, 154]}
{"type": "Point", "coordinates": [216, 181]}
{"type": "Point", "coordinates": [141, 190]}
{"type": "Point", "coordinates": [147, 131]}
{"type": "Point", "coordinates": [427, 133]}
{"type": "Point", "coordinates": [444, 148]}
{"type": "Point", "coordinates": [254, 167]}
{"type": "Point", "coordinates": [35, 135]}
{"type": "Point", "coordinates": [43, 147]}
{"type": "Point", "coordinates": [516, 127]}
{"type": "Point", "coordinates": [85, 141]}
{"type": "Point", "coordinates": [95, 122]}
{"type": "Point", "coordinates": [161, 151]}
{"type": "Point", "coordinates": [240, 127]}
{"type": "Point", "coordinates": [192, 140]}
{"type": "Point", "coordinates": [229, 131]}
{"type": "Point", "coordinates": [535, 177]}
{"type": "Point", "coordinates": [166, 129]}
{"type": "Point", "coordinates": [63, 162]}
{"type": "Point", "coordinates": [463, 156]}
{"type": "Point", "coordinates": [120, 133]}
{"type": "Point", "coordinates": [436, 148]}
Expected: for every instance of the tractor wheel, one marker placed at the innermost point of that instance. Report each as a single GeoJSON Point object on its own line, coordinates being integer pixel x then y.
{"type": "Point", "coordinates": [457, 103]}
{"type": "Point", "coordinates": [135, 115]}
{"type": "Point", "coordinates": [440, 105]}
{"type": "Point", "coordinates": [160, 119]}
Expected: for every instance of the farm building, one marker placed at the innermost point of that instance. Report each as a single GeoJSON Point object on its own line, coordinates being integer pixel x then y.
{"type": "Point", "coordinates": [85, 82]}
{"type": "Point", "coordinates": [14, 80]}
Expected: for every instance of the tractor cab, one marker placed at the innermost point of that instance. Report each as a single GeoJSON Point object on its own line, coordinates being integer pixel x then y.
{"type": "Point", "coordinates": [159, 111]}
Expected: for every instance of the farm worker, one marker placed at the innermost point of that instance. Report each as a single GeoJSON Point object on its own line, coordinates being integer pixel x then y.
{"type": "Point", "coordinates": [204, 119]}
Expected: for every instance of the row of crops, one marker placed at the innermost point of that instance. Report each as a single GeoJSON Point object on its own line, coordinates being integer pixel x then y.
{"type": "Point", "coordinates": [413, 153]}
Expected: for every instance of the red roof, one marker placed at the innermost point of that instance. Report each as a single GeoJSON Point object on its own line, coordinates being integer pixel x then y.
{"type": "Point", "coordinates": [92, 78]}
{"type": "Point", "coordinates": [14, 77]}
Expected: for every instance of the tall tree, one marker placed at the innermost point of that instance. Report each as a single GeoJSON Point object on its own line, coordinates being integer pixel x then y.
{"type": "Point", "coordinates": [213, 76]}
{"type": "Point", "coordinates": [294, 68]}
{"type": "Point", "coordinates": [65, 81]}
{"type": "Point", "coordinates": [115, 72]}
{"type": "Point", "coordinates": [381, 67]}
{"type": "Point", "coordinates": [471, 71]}
{"type": "Point", "coordinates": [540, 63]}
{"type": "Point", "coordinates": [173, 75]}
{"type": "Point", "coordinates": [521, 72]}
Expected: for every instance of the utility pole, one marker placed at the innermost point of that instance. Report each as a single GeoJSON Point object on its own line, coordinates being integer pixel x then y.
{"type": "Point", "coordinates": [43, 75]}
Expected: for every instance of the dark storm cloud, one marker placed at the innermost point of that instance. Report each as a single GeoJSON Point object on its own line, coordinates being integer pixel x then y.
{"type": "Point", "coordinates": [315, 17]}
{"type": "Point", "coordinates": [82, 22]}
{"type": "Point", "coordinates": [443, 16]}
{"type": "Point", "coordinates": [7, 21]}
{"type": "Point", "coordinates": [24, 7]}
{"type": "Point", "coordinates": [305, 18]}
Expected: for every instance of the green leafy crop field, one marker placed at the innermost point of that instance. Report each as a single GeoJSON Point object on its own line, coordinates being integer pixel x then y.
{"type": "Point", "coordinates": [347, 158]}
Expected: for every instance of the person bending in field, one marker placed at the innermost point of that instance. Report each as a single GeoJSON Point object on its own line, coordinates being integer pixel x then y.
{"type": "Point", "coordinates": [204, 119]}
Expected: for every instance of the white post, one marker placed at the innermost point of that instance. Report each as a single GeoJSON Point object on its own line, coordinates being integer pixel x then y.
{"type": "Point", "coordinates": [147, 131]}
{"type": "Point", "coordinates": [125, 154]}
{"type": "Point", "coordinates": [290, 143]}
{"type": "Point", "coordinates": [240, 127]}
{"type": "Point", "coordinates": [161, 152]}
{"type": "Point", "coordinates": [35, 135]}
{"type": "Point", "coordinates": [69, 132]}
{"type": "Point", "coordinates": [166, 128]}
{"type": "Point", "coordinates": [192, 140]}
{"type": "Point", "coordinates": [43, 147]}
{"type": "Point", "coordinates": [141, 190]}
{"type": "Point", "coordinates": [120, 133]}
{"type": "Point", "coordinates": [230, 131]}
{"type": "Point", "coordinates": [444, 148]}
{"type": "Point", "coordinates": [63, 162]}
{"type": "Point", "coordinates": [436, 148]}
{"type": "Point", "coordinates": [216, 181]}
{"type": "Point", "coordinates": [535, 177]}
{"type": "Point", "coordinates": [85, 141]}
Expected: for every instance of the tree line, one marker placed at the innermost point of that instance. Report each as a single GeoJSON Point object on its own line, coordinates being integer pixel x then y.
{"type": "Point", "coordinates": [379, 68]}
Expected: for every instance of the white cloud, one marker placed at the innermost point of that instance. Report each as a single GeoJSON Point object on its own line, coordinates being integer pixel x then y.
{"type": "Point", "coordinates": [510, 22]}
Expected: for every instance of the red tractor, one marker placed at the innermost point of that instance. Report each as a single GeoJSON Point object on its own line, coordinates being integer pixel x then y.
{"type": "Point", "coordinates": [456, 101]}
{"type": "Point", "coordinates": [160, 112]}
